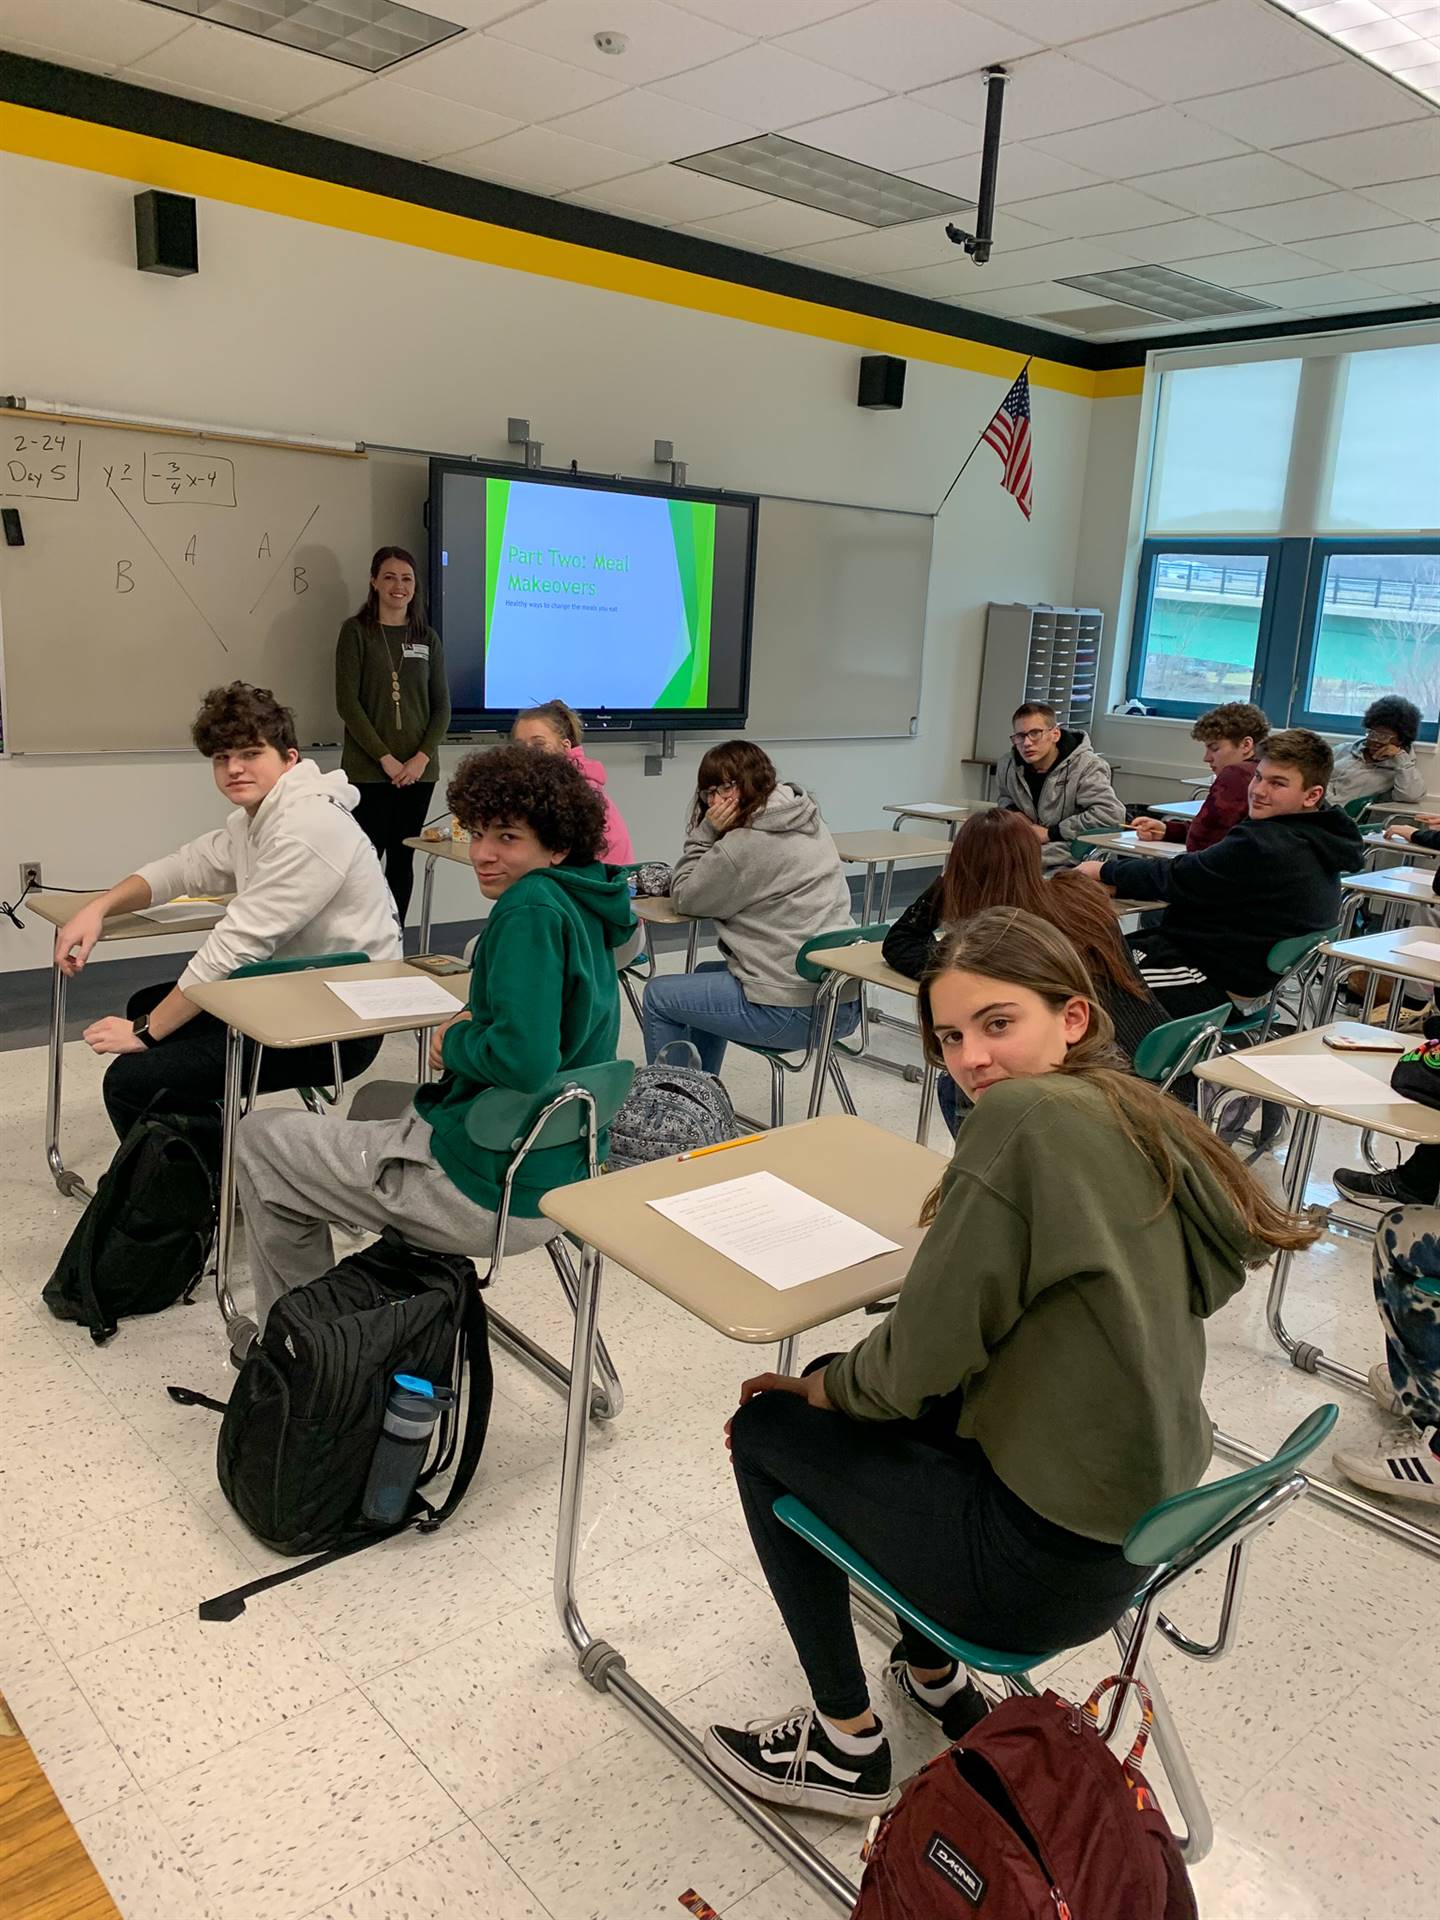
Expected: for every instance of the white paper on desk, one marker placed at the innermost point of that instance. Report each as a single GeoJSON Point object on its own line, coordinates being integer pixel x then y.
{"type": "Point", "coordinates": [781, 1235]}
{"type": "Point", "coordinates": [395, 999]}
{"type": "Point", "coordinates": [1326, 1082]}
{"type": "Point", "coordinates": [1422, 949]}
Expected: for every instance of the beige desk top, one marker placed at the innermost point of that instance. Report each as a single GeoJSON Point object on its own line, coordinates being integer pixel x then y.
{"type": "Point", "coordinates": [864, 1171]}
{"type": "Point", "coordinates": [1388, 953]}
{"type": "Point", "coordinates": [299, 1010]}
{"type": "Point", "coordinates": [1404, 1119]}
{"type": "Point", "coordinates": [57, 908]}
{"type": "Point", "coordinates": [1408, 810]}
{"type": "Point", "coordinates": [880, 848]}
{"type": "Point", "coordinates": [1175, 809]}
{"type": "Point", "coordinates": [656, 908]}
{"type": "Point", "coordinates": [865, 961]}
{"type": "Point", "coordinates": [936, 809]}
{"type": "Point", "coordinates": [1200, 781]}
{"type": "Point", "coordinates": [1406, 847]}
{"type": "Point", "coordinates": [1395, 883]}
{"type": "Point", "coordinates": [1129, 842]}
{"type": "Point", "coordinates": [446, 849]}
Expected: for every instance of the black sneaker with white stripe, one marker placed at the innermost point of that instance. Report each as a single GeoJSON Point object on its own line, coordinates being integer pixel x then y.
{"type": "Point", "coordinates": [1404, 1464]}
{"type": "Point", "coordinates": [794, 1763]}
{"type": "Point", "coordinates": [1373, 1189]}
{"type": "Point", "coordinates": [955, 1708]}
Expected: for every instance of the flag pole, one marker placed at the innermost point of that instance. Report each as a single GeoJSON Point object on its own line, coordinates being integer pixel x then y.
{"type": "Point", "coordinates": [978, 443]}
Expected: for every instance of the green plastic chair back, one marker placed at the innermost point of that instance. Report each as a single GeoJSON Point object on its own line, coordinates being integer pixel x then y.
{"type": "Point", "coordinates": [299, 963]}
{"type": "Point", "coordinates": [1178, 1524]}
{"type": "Point", "coordinates": [1286, 954]}
{"type": "Point", "coordinates": [1163, 1048]}
{"type": "Point", "coordinates": [842, 937]}
{"type": "Point", "coordinates": [499, 1119]}
{"type": "Point", "coordinates": [1359, 807]}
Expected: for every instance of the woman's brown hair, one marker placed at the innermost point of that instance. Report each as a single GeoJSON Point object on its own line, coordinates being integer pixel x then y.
{"type": "Point", "coordinates": [742, 765]}
{"type": "Point", "coordinates": [995, 862]}
{"type": "Point", "coordinates": [563, 720]}
{"type": "Point", "coordinates": [417, 626]}
{"type": "Point", "coordinates": [1022, 950]}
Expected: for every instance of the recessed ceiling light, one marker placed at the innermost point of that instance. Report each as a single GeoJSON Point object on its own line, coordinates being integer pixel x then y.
{"type": "Point", "coordinates": [1401, 37]}
{"type": "Point", "coordinates": [371, 34]}
{"type": "Point", "coordinates": [1175, 296]}
{"type": "Point", "coordinates": [790, 171]}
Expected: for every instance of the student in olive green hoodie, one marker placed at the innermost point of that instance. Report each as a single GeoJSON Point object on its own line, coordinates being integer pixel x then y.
{"type": "Point", "coordinates": [1036, 1388]}
{"type": "Point", "coordinates": [544, 997]}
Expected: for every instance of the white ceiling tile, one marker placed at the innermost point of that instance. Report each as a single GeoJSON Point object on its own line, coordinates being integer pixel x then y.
{"type": "Point", "coordinates": [1321, 290]}
{"type": "Point", "coordinates": [663, 40]}
{"type": "Point", "coordinates": [1341, 99]}
{"type": "Point", "coordinates": [94, 33]}
{"type": "Point", "coordinates": [187, 90]}
{"type": "Point", "coordinates": [1206, 49]}
{"type": "Point", "coordinates": [1387, 247]}
{"type": "Point", "coordinates": [1418, 199]}
{"type": "Point", "coordinates": [245, 68]}
{"type": "Point", "coordinates": [894, 134]}
{"type": "Point", "coordinates": [1409, 152]}
{"type": "Point", "coordinates": [1016, 302]}
{"type": "Point", "coordinates": [484, 72]}
{"type": "Point", "coordinates": [1055, 23]}
{"type": "Point", "coordinates": [921, 243]}
{"type": "Point", "coordinates": [395, 119]}
{"type": "Point", "coordinates": [1125, 148]}
{"type": "Point", "coordinates": [1048, 93]}
{"type": "Point", "coordinates": [1088, 210]}
{"type": "Point", "coordinates": [543, 161]}
{"type": "Point", "coordinates": [1312, 219]}
{"type": "Point", "coordinates": [473, 13]}
{"type": "Point", "coordinates": [1242, 270]}
{"type": "Point", "coordinates": [908, 43]}
{"type": "Point", "coordinates": [1249, 180]}
{"type": "Point", "coordinates": [1181, 240]}
{"type": "Point", "coordinates": [764, 19]}
{"type": "Point", "coordinates": [652, 125]}
{"type": "Point", "coordinates": [769, 87]}
{"type": "Point", "coordinates": [673, 195]}
{"type": "Point", "coordinates": [780, 224]}
{"type": "Point", "coordinates": [1060, 260]}
{"type": "Point", "coordinates": [1025, 173]}
{"type": "Point", "coordinates": [1422, 277]}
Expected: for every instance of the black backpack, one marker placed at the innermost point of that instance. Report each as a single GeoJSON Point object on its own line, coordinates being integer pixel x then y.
{"type": "Point", "coordinates": [143, 1241]}
{"type": "Point", "coordinates": [305, 1413]}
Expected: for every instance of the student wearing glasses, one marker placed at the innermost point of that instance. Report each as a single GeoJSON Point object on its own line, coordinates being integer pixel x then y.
{"type": "Point", "coordinates": [758, 861]}
{"type": "Point", "coordinates": [1055, 778]}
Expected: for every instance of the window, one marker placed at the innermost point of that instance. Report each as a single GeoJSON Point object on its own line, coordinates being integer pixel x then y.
{"type": "Point", "coordinates": [1222, 448]}
{"type": "Point", "coordinates": [1376, 629]}
{"type": "Point", "coordinates": [1387, 456]}
{"type": "Point", "coordinates": [1203, 611]}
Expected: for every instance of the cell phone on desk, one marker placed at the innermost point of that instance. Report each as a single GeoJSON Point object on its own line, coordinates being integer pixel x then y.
{"type": "Point", "coordinates": [437, 963]}
{"type": "Point", "coordinates": [1370, 1042]}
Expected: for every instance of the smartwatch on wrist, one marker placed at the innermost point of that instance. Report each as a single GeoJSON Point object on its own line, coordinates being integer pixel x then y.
{"type": "Point", "coordinates": [141, 1029]}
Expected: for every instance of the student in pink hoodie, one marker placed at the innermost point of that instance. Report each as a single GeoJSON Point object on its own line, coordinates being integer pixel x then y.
{"type": "Point", "coordinates": [556, 728]}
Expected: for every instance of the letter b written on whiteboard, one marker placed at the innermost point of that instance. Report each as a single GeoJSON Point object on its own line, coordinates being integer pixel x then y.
{"type": "Point", "coordinates": [124, 578]}
{"type": "Point", "coordinates": [298, 581]}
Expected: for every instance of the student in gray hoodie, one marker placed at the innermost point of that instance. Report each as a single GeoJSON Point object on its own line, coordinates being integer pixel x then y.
{"type": "Point", "coordinates": [1058, 781]}
{"type": "Point", "coordinates": [1382, 763]}
{"type": "Point", "coordinates": [759, 862]}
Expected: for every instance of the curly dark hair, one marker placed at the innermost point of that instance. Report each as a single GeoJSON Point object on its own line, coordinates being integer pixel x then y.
{"type": "Point", "coordinates": [242, 716]}
{"type": "Point", "coordinates": [1236, 720]}
{"type": "Point", "coordinates": [514, 786]}
{"type": "Point", "coordinates": [1401, 716]}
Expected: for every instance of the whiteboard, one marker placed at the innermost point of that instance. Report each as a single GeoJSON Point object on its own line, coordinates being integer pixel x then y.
{"type": "Point", "coordinates": [157, 566]}
{"type": "Point", "coordinates": [839, 634]}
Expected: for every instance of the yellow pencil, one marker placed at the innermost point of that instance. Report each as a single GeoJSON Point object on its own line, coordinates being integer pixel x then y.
{"type": "Point", "coordinates": [721, 1146]}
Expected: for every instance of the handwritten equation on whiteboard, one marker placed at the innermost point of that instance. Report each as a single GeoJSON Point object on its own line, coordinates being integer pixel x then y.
{"type": "Point", "coordinates": [189, 479]}
{"type": "Point", "coordinates": [41, 466]}
{"type": "Point", "coordinates": [46, 466]}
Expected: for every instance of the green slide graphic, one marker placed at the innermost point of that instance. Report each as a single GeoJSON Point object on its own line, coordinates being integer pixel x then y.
{"type": "Point", "coordinates": [692, 524]}
{"type": "Point", "coordinates": [497, 501]}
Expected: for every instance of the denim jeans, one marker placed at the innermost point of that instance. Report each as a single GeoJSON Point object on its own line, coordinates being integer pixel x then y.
{"type": "Point", "coordinates": [1407, 1293]}
{"type": "Point", "coordinates": [709, 1007]}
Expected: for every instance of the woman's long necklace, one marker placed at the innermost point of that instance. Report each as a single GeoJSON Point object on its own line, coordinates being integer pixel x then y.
{"type": "Point", "coordinates": [395, 660]}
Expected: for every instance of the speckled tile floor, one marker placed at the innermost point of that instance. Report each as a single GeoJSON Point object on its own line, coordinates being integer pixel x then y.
{"type": "Point", "coordinates": [404, 1736]}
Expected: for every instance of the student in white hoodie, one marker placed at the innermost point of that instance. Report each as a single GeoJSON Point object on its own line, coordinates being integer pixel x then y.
{"type": "Point", "coordinates": [305, 880]}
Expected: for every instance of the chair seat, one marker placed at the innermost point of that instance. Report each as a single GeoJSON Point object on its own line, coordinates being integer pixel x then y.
{"type": "Point", "coordinates": [798, 1517]}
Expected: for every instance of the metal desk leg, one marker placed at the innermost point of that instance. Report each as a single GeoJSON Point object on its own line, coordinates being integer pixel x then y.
{"type": "Point", "coordinates": [1388, 919]}
{"type": "Point", "coordinates": [70, 1184]}
{"type": "Point", "coordinates": [827, 1007]}
{"type": "Point", "coordinates": [927, 1104]}
{"type": "Point", "coordinates": [604, 1666]}
{"type": "Point", "coordinates": [867, 898]}
{"type": "Point", "coordinates": [1300, 1353]}
{"type": "Point", "coordinates": [229, 1121]}
{"type": "Point", "coordinates": [427, 896]}
{"type": "Point", "coordinates": [885, 891]}
{"type": "Point", "coordinates": [692, 946]}
{"type": "Point", "coordinates": [1347, 1503]}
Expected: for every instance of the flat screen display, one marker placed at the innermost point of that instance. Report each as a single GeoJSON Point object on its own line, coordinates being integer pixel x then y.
{"type": "Point", "coordinates": [631, 602]}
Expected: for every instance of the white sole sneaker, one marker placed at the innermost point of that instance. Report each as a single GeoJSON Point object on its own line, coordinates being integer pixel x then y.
{"type": "Point", "coordinates": [812, 1794]}
{"type": "Point", "coordinates": [1381, 1391]}
{"type": "Point", "coordinates": [1402, 1466]}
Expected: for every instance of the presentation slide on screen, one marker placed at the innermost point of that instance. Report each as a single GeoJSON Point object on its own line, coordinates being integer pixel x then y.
{"type": "Point", "coordinates": [608, 596]}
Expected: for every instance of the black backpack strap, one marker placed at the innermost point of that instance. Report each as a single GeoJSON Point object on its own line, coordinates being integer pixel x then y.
{"type": "Point", "coordinates": [480, 1392]}
{"type": "Point", "coordinates": [229, 1606]}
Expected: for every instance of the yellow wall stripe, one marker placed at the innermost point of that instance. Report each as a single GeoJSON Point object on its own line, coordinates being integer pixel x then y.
{"type": "Point", "coordinates": [213, 176]}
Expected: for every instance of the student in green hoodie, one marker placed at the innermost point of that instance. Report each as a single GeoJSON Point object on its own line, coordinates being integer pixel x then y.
{"type": "Point", "coordinates": [544, 997]}
{"type": "Point", "coordinates": [1036, 1388]}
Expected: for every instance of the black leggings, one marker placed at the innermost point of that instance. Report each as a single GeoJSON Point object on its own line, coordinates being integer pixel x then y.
{"type": "Point", "coordinates": [926, 1510]}
{"type": "Point", "coordinates": [388, 816]}
{"type": "Point", "coordinates": [186, 1073]}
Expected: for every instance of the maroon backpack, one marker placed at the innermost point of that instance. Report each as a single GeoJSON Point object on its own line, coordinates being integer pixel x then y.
{"type": "Point", "coordinates": [1030, 1817]}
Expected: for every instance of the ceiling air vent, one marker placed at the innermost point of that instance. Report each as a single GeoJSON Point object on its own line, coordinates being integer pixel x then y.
{"type": "Point", "coordinates": [1174, 296]}
{"type": "Point", "coordinates": [370, 34]}
{"type": "Point", "coordinates": [772, 164]}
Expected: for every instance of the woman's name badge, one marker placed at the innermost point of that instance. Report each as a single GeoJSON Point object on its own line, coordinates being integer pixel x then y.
{"type": "Point", "coordinates": [416, 650]}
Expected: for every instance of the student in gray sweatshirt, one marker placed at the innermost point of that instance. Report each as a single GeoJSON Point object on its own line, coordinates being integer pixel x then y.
{"type": "Point", "coordinates": [760, 863]}
{"type": "Point", "coordinates": [1382, 762]}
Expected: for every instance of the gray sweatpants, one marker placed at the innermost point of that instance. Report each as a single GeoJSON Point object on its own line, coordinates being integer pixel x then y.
{"type": "Point", "coordinates": [295, 1173]}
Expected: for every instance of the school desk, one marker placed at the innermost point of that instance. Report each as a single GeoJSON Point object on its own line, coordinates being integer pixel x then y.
{"type": "Point", "coordinates": [1174, 809]}
{"type": "Point", "coordinates": [885, 849]}
{"type": "Point", "coordinates": [457, 851]}
{"type": "Point", "coordinates": [1111, 842]}
{"type": "Point", "coordinates": [864, 962]}
{"type": "Point", "coordinates": [57, 909]}
{"type": "Point", "coordinates": [1390, 953]}
{"type": "Point", "coordinates": [656, 910]}
{"type": "Point", "coordinates": [940, 813]}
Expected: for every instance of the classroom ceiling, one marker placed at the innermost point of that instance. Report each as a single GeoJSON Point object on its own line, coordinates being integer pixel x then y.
{"type": "Point", "coordinates": [1228, 141]}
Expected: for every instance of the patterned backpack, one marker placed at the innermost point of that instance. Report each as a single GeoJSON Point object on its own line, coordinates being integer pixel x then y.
{"type": "Point", "coordinates": [670, 1109]}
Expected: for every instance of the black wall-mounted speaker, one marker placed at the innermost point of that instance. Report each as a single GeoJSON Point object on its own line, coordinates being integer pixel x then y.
{"type": "Point", "coordinates": [165, 236]}
{"type": "Point", "coordinates": [882, 382]}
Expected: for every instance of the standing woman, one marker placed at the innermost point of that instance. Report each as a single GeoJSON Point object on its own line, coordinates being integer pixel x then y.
{"type": "Point", "coordinates": [391, 693]}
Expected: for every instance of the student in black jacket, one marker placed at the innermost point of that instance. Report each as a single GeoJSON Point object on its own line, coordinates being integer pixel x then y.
{"type": "Point", "coordinates": [996, 861]}
{"type": "Point", "coordinates": [1274, 876]}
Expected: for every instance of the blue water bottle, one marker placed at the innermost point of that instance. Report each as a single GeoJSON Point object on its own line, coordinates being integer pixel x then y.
{"type": "Point", "coordinates": [411, 1412]}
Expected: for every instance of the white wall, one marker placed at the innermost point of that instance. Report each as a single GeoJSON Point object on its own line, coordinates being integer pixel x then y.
{"type": "Point", "coordinates": [303, 328]}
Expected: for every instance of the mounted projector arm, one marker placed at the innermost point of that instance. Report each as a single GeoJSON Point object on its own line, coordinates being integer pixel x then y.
{"type": "Point", "coordinates": [979, 243]}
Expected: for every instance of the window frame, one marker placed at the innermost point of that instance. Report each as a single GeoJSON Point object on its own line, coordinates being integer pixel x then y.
{"type": "Point", "coordinates": [1157, 548]}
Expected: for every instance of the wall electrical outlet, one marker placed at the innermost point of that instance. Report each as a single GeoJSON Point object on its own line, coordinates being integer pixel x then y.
{"type": "Point", "coordinates": [30, 881]}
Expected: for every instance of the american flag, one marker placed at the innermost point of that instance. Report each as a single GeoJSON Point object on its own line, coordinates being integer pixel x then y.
{"type": "Point", "coordinates": [1009, 434]}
